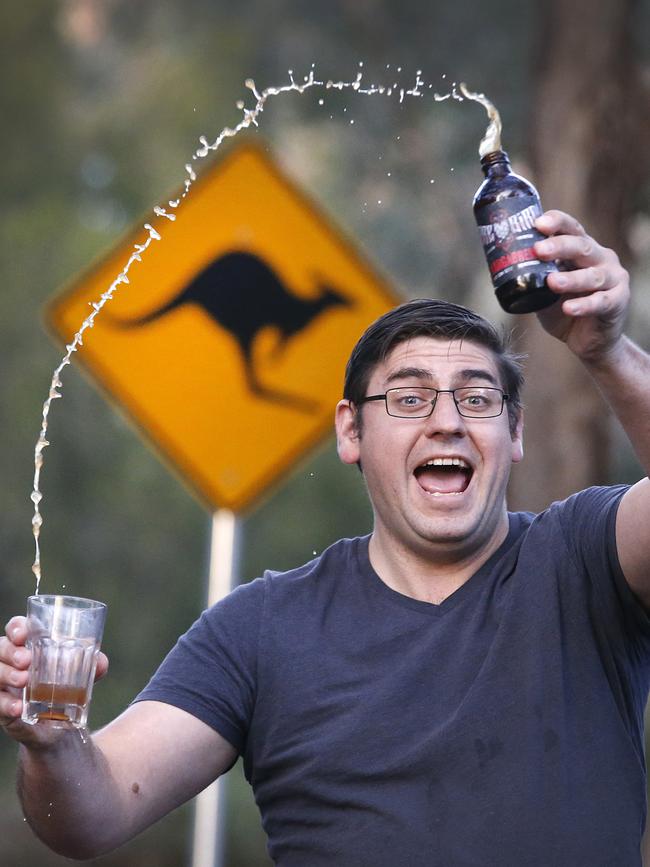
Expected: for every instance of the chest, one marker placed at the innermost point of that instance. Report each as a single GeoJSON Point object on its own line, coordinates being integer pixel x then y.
{"type": "Point", "coordinates": [404, 687]}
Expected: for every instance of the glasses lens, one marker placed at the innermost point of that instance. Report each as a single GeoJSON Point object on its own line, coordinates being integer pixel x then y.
{"type": "Point", "coordinates": [410, 402]}
{"type": "Point", "coordinates": [485, 402]}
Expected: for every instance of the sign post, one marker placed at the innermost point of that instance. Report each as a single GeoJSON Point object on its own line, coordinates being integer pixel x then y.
{"type": "Point", "coordinates": [227, 348]}
{"type": "Point", "coordinates": [209, 809]}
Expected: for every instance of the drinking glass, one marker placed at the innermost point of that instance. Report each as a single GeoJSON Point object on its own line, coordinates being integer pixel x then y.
{"type": "Point", "coordinates": [64, 635]}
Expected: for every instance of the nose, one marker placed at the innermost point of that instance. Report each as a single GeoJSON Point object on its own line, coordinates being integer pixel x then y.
{"type": "Point", "coordinates": [445, 417]}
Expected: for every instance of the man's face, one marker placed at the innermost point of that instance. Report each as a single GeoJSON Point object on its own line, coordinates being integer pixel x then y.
{"type": "Point", "coordinates": [453, 510]}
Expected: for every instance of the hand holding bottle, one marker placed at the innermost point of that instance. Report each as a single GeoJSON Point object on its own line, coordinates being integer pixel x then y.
{"type": "Point", "coordinates": [594, 292]}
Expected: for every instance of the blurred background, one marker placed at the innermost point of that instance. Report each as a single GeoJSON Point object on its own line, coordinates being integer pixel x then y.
{"type": "Point", "coordinates": [103, 102]}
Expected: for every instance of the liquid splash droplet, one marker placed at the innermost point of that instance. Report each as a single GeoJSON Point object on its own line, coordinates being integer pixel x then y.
{"type": "Point", "coordinates": [251, 116]}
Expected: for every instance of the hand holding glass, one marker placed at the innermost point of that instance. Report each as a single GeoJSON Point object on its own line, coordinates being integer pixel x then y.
{"type": "Point", "coordinates": [64, 635]}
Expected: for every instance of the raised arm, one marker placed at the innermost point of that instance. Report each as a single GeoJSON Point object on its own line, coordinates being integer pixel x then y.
{"type": "Point", "coordinates": [84, 795]}
{"type": "Point", "coordinates": [590, 318]}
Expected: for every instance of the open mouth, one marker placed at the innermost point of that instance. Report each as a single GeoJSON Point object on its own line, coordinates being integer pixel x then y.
{"type": "Point", "coordinates": [444, 476]}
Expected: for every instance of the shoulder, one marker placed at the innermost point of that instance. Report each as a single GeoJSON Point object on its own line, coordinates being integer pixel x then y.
{"type": "Point", "coordinates": [338, 560]}
{"type": "Point", "coordinates": [250, 599]}
{"type": "Point", "coordinates": [593, 499]}
{"type": "Point", "coordinates": [578, 537]}
{"type": "Point", "coordinates": [580, 528]}
{"type": "Point", "coordinates": [588, 518]}
{"type": "Point", "coordinates": [583, 510]}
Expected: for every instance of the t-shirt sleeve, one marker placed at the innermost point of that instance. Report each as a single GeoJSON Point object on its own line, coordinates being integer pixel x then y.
{"type": "Point", "coordinates": [589, 527]}
{"type": "Point", "coordinates": [211, 671]}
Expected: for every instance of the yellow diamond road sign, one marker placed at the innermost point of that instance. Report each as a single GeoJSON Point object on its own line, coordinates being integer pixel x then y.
{"type": "Point", "coordinates": [228, 345]}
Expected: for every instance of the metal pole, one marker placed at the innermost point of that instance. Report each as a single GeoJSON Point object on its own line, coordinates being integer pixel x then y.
{"type": "Point", "coordinates": [209, 816]}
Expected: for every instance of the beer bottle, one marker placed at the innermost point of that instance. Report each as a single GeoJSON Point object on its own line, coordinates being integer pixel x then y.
{"type": "Point", "coordinates": [506, 207]}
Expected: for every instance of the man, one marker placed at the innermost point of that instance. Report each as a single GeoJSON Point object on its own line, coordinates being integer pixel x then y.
{"type": "Point", "coordinates": [464, 687]}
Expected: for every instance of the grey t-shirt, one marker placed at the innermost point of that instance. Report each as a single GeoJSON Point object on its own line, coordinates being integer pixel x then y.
{"type": "Point", "coordinates": [501, 728]}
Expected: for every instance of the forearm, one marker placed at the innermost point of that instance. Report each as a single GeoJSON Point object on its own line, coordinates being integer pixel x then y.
{"type": "Point", "coordinates": [84, 795]}
{"type": "Point", "coordinates": [623, 377]}
{"type": "Point", "coordinates": [69, 797]}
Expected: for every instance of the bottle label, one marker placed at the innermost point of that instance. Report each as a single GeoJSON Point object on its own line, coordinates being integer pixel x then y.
{"type": "Point", "coordinates": [508, 233]}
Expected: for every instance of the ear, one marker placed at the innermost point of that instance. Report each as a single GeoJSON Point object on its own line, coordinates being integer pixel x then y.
{"type": "Point", "coordinates": [518, 440]}
{"type": "Point", "coordinates": [347, 434]}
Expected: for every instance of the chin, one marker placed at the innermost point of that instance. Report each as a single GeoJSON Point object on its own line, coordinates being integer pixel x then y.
{"type": "Point", "coordinates": [461, 530]}
{"type": "Point", "coordinates": [451, 535]}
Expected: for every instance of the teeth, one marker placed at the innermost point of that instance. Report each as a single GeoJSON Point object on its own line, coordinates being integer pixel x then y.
{"type": "Point", "coordinates": [448, 462]}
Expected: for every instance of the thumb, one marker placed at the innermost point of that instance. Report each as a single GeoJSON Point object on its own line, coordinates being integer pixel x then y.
{"type": "Point", "coordinates": [102, 666]}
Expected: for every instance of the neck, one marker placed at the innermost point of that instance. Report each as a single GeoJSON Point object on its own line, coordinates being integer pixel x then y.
{"type": "Point", "coordinates": [435, 571]}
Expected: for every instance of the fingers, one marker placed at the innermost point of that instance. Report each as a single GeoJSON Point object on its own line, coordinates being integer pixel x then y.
{"type": "Point", "coordinates": [602, 292]}
{"type": "Point", "coordinates": [592, 267]}
{"type": "Point", "coordinates": [580, 250]}
{"type": "Point", "coordinates": [599, 304]}
{"type": "Point", "coordinates": [593, 285]}
{"type": "Point", "coordinates": [584, 280]}
{"type": "Point", "coordinates": [597, 271]}
{"type": "Point", "coordinates": [13, 680]}
{"type": "Point", "coordinates": [568, 242]}
{"type": "Point", "coordinates": [12, 650]}
{"type": "Point", "coordinates": [556, 222]}
{"type": "Point", "coordinates": [15, 659]}
{"type": "Point", "coordinates": [16, 630]}
{"type": "Point", "coordinates": [11, 709]}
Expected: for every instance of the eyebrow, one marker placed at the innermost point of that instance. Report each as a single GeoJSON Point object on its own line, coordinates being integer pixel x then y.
{"type": "Point", "coordinates": [409, 373]}
{"type": "Point", "coordinates": [465, 375]}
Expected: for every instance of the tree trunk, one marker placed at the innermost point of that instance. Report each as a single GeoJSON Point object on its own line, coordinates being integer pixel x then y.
{"type": "Point", "coordinates": [588, 144]}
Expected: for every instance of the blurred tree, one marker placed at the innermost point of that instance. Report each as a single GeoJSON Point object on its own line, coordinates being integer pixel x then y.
{"type": "Point", "coordinates": [589, 144]}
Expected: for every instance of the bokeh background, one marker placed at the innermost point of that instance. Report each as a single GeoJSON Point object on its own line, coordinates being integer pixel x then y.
{"type": "Point", "coordinates": [103, 102]}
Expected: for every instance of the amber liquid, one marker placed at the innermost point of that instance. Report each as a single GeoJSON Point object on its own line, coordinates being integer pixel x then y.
{"type": "Point", "coordinates": [57, 697]}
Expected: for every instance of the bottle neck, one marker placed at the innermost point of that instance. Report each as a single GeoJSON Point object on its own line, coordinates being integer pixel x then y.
{"type": "Point", "coordinates": [495, 163]}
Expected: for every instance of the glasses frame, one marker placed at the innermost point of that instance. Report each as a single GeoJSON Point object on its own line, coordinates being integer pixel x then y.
{"type": "Point", "coordinates": [436, 392]}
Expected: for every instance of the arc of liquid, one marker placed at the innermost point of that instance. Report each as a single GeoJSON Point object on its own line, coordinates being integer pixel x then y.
{"type": "Point", "coordinates": [54, 393]}
{"type": "Point", "coordinates": [491, 141]}
{"type": "Point", "coordinates": [250, 117]}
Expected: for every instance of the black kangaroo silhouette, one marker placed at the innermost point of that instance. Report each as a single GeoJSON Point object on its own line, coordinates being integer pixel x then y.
{"type": "Point", "coordinates": [244, 295]}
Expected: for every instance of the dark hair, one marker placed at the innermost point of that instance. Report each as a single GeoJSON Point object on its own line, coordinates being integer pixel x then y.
{"type": "Point", "coordinates": [431, 318]}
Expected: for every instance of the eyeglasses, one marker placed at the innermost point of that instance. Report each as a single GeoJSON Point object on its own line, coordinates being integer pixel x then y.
{"type": "Point", "coordinates": [419, 402]}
